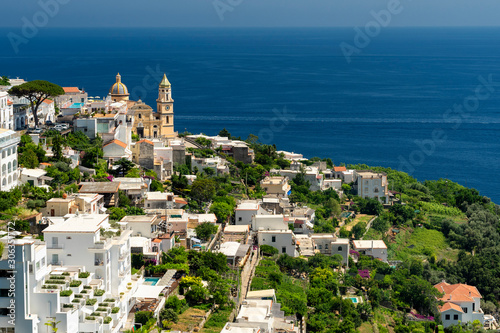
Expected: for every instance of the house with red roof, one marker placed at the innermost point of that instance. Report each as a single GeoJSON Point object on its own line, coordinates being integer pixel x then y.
{"type": "Point", "coordinates": [461, 303]}
{"type": "Point", "coordinates": [72, 95]}
{"type": "Point", "coordinates": [116, 150]}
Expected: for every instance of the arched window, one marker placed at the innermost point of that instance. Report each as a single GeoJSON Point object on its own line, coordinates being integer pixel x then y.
{"type": "Point", "coordinates": [14, 165]}
{"type": "Point", "coordinates": [4, 181]}
{"type": "Point", "coordinates": [340, 248]}
{"type": "Point", "coordinates": [9, 168]}
{"type": "Point", "coordinates": [14, 178]}
{"type": "Point", "coordinates": [3, 154]}
{"type": "Point", "coordinates": [10, 179]}
{"type": "Point", "coordinates": [4, 169]}
{"type": "Point", "coordinates": [8, 152]}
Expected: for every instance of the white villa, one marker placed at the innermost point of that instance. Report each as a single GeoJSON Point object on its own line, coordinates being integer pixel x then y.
{"type": "Point", "coordinates": [461, 304]}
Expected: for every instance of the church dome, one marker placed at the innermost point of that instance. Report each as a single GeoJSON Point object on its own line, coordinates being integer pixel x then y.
{"type": "Point", "coordinates": [118, 88]}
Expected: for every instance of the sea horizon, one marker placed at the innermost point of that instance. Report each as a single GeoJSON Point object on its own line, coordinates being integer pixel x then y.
{"type": "Point", "coordinates": [375, 110]}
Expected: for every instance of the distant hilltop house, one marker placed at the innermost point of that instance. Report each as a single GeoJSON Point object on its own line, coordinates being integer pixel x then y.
{"type": "Point", "coordinates": [373, 185]}
{"type": "Point", "coordinates": [461, 304]}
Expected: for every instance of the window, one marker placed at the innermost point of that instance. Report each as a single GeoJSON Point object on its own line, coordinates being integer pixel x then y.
{"type": "Point", "coordinates": [326, 246]}
{"type": "Point", "coordinates": [283, 249]}
{"type": "Point", "coordinates": [240, 218]}
{"type": "Point", "coordinates": [68, 237]}
{"type": "Point", "coordinates": [273, 239]}
{"type": "Point", "coordinates": [455, 317]}
{"type": "Point", "coordinates": [473, 307]}
{"type": "Point", "coordinates": [447, 317]}
{"type": "Point", "coordinates": [340, 249]}
{"type": "Point", "coordinates": [464, 310]}
{"type": "Point", "coordinates": [320, 247]}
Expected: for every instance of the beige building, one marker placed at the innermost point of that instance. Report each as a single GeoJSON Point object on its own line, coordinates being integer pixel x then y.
{"type": "Point", "coordinates": [276, 186]}
{"type": "Point", "coordinates": [83, 203]}
{"type": "Point", "coordinates": [370, 184]}
{"type": "Point", "coordinates": [148, 123]}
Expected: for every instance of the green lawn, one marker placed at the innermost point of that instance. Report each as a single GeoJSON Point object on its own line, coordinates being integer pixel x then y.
{"type": "Point", "coordinates": [216, 321]}
{"type": "Point", "coordinates": [421, 243]}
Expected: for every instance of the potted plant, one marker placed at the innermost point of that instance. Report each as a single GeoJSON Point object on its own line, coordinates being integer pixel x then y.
{"type": "Point", "coordinates": [66, 296]}
{"type": "Point", "coordinates": [76, 286]}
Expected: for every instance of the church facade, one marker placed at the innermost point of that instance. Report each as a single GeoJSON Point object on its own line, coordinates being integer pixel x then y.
{"type": "Point", "coordinates": [147, 123]}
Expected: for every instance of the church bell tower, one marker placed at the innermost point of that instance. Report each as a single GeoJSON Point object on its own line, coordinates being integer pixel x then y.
{"type": "Point", "coordinates": [165, 107]}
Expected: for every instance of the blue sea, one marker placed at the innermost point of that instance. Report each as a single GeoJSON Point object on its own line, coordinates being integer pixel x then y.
{"type": "Point", "coordinates": [407, 98]}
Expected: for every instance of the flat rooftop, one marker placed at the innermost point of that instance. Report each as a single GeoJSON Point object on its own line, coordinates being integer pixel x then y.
{"type": "Point", "coordinates": [369, 244]}
{"type": "Point", "coordinates": [99, 187]}
{"type": "Point", "coordinates": [82, 223]}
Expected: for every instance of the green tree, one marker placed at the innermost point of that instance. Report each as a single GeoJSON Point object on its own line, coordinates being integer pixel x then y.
{"type": "Point", "coordinates": [28, 159]}
{"type": "Point", "coordinates": [203, 189]}
{"type": "Point", "coordinates": [36, 92]}
{"type": "Point", "coordinates": [359, 230]}
{"type": "Point", "coordinates": [4, 81]}
{"type": "Point", "coordinates": [222, 210]}
{"type": "Point", "coordinates": [196, 295]}
{"type": "Point", "coordinates": [225, 133]}
{"type": "Point", "coordinates": [124, 166]}
{"type": "Point", "coordinates": [205, 230]}
{"type": "Point", "coordinates": [133, 173]}
{"type": "Point", "coordinates": [57, 145]}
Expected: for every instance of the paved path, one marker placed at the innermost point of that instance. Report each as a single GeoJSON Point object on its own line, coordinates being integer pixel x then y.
{"type": "Point", "coordinates": [247, 274]}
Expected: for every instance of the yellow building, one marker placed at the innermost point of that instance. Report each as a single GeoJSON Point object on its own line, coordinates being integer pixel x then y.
{"type": "Point", "coordinates": [147, 123]}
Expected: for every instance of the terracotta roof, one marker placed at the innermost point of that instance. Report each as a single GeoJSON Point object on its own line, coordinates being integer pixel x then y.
{"type": "Point", "coordinates": [450, 306]}
{"type": "Point", "coordinates": [181, 201]}
{"type": "Point", "coordinates": [44, 163]}
{"type": "Point", "coordinates": [48, 101]}
{"type": "Point", "coordinates": [118, 142]}
{"type": "Point", "coordinates": [71, 89]}
{"type": "Point", "coordinates": [156, 240]}
{"type": "Point", "coordinates": [146, 140]}
{"type": "Point", "coordinates": [339, 168]}
{"type": "Point", "coordinates": [457, 292]}
{"type": "Point", "coordinates": [10, 102]}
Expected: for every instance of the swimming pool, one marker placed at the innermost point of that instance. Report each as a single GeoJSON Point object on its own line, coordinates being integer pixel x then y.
{"type": "Point", "coordinates": [76, 105]}
{"type": "Point", "coordinates": [151, 281]}
{"type": "Point", "coordinates": [354, 299]}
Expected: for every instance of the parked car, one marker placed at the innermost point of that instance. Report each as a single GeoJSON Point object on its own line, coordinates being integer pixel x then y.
{"type": "Point", "coordinates": [37, 131]}
{"type": "Point", "coordinates": [49, 123]}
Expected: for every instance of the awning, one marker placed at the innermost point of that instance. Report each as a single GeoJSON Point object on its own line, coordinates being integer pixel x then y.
{"type": "Point", "coordinates": [196, 240]}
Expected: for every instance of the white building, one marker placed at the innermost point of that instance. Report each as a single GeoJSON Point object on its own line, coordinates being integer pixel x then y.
{"type": "Point", "coordinates": [244, 212]}
{"type": "Point", "coordinates": [217, 164]}
{"type": "Point", "coordinates": [159, 200]}
{"type": "Point", "coordinates": [283, 240]}
{"type": "Point", "coordinates": [329, 244]}
{"type": "Point", "coordinates": [277, 186]}
{"type": "Point", "coordinates": [143, 225]}
{"type": "Point", "coordinates": [372, 185]}
{"type": "Point", "coordinates": [269, 222]}
{"type": "Point", "coordinates": [8, 146]}
{"type": "Point", "coordinates": [375, 248]}
{"type": "Point", "coordinates": [116, 150]}
{"type": "Point", "coordinates": [461, 304]}
{"type": "Point", "coordinates": [34, 177]}
{"type": "Point", "coordinates": [38, 283]}
{"type": "Point", "coordinates": [6, 111]}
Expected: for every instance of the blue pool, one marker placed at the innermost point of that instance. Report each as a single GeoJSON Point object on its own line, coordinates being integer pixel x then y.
{"type": "Point", "coordinates": [151, 281]}
{"type": "Point", "coordinates": [76, 105]}
{"type": "Point", "coordinates": [354, 299]}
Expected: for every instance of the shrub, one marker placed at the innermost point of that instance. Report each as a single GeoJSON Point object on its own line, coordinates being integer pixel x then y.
{"type": "Point", "coordinates": [143, 317]}
{"type": "Point", "coordinates": [107, 320]}
{"type": "Point", "coordinates": [91, 301]}
{"type": "Point", "coordinates": [104, 304]}
{"type": "Point", "coordinates": [78, 296]}
{"type": "Point", "coordinates": [65, 293]}
{"type": "Point", "coordinates": [99, 292]}
{"type": "Point", "coordinates": [76, 300]}
{"type": "Point", "coordinates": [68, 306]}
{"type": "Point", "coordinates": [101, 309]}
{"type": "Point", "coordinates": [115, 309]}
{"type": "Point", "coordinates": [109, 300]}
{"type": "Point", "coordinates": [49, 286]}
{"type": "Point", "coordinates": [57, 277]}
{"type": "Point", "coordinates": [75, 283]}
{"type": "Point", "coordinates": [90, 318]}
{"type": "Point", "coordinates": [83, 275]}
{"type": "Point", "coordinates": [83, 291]}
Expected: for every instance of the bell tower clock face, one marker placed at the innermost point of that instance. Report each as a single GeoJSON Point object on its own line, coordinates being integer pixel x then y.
{"type": "Point", "coordinates": [167, 107]}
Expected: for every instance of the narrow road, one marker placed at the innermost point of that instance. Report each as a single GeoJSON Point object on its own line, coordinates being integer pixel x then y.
{"type": "Point", "coordinates": [247, 274]}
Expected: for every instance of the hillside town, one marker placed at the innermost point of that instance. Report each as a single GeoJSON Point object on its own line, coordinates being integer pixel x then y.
{"type": "Point", "coordinates": [112, 221]}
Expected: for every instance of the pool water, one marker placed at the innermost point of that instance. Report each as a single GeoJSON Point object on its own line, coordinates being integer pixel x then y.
{"type": "Point", "coordinates": [151, 281]}
{"type": "Point", "coordinates": [354, 299]}
{"type": "Point", "coordinates": [76, 105]}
